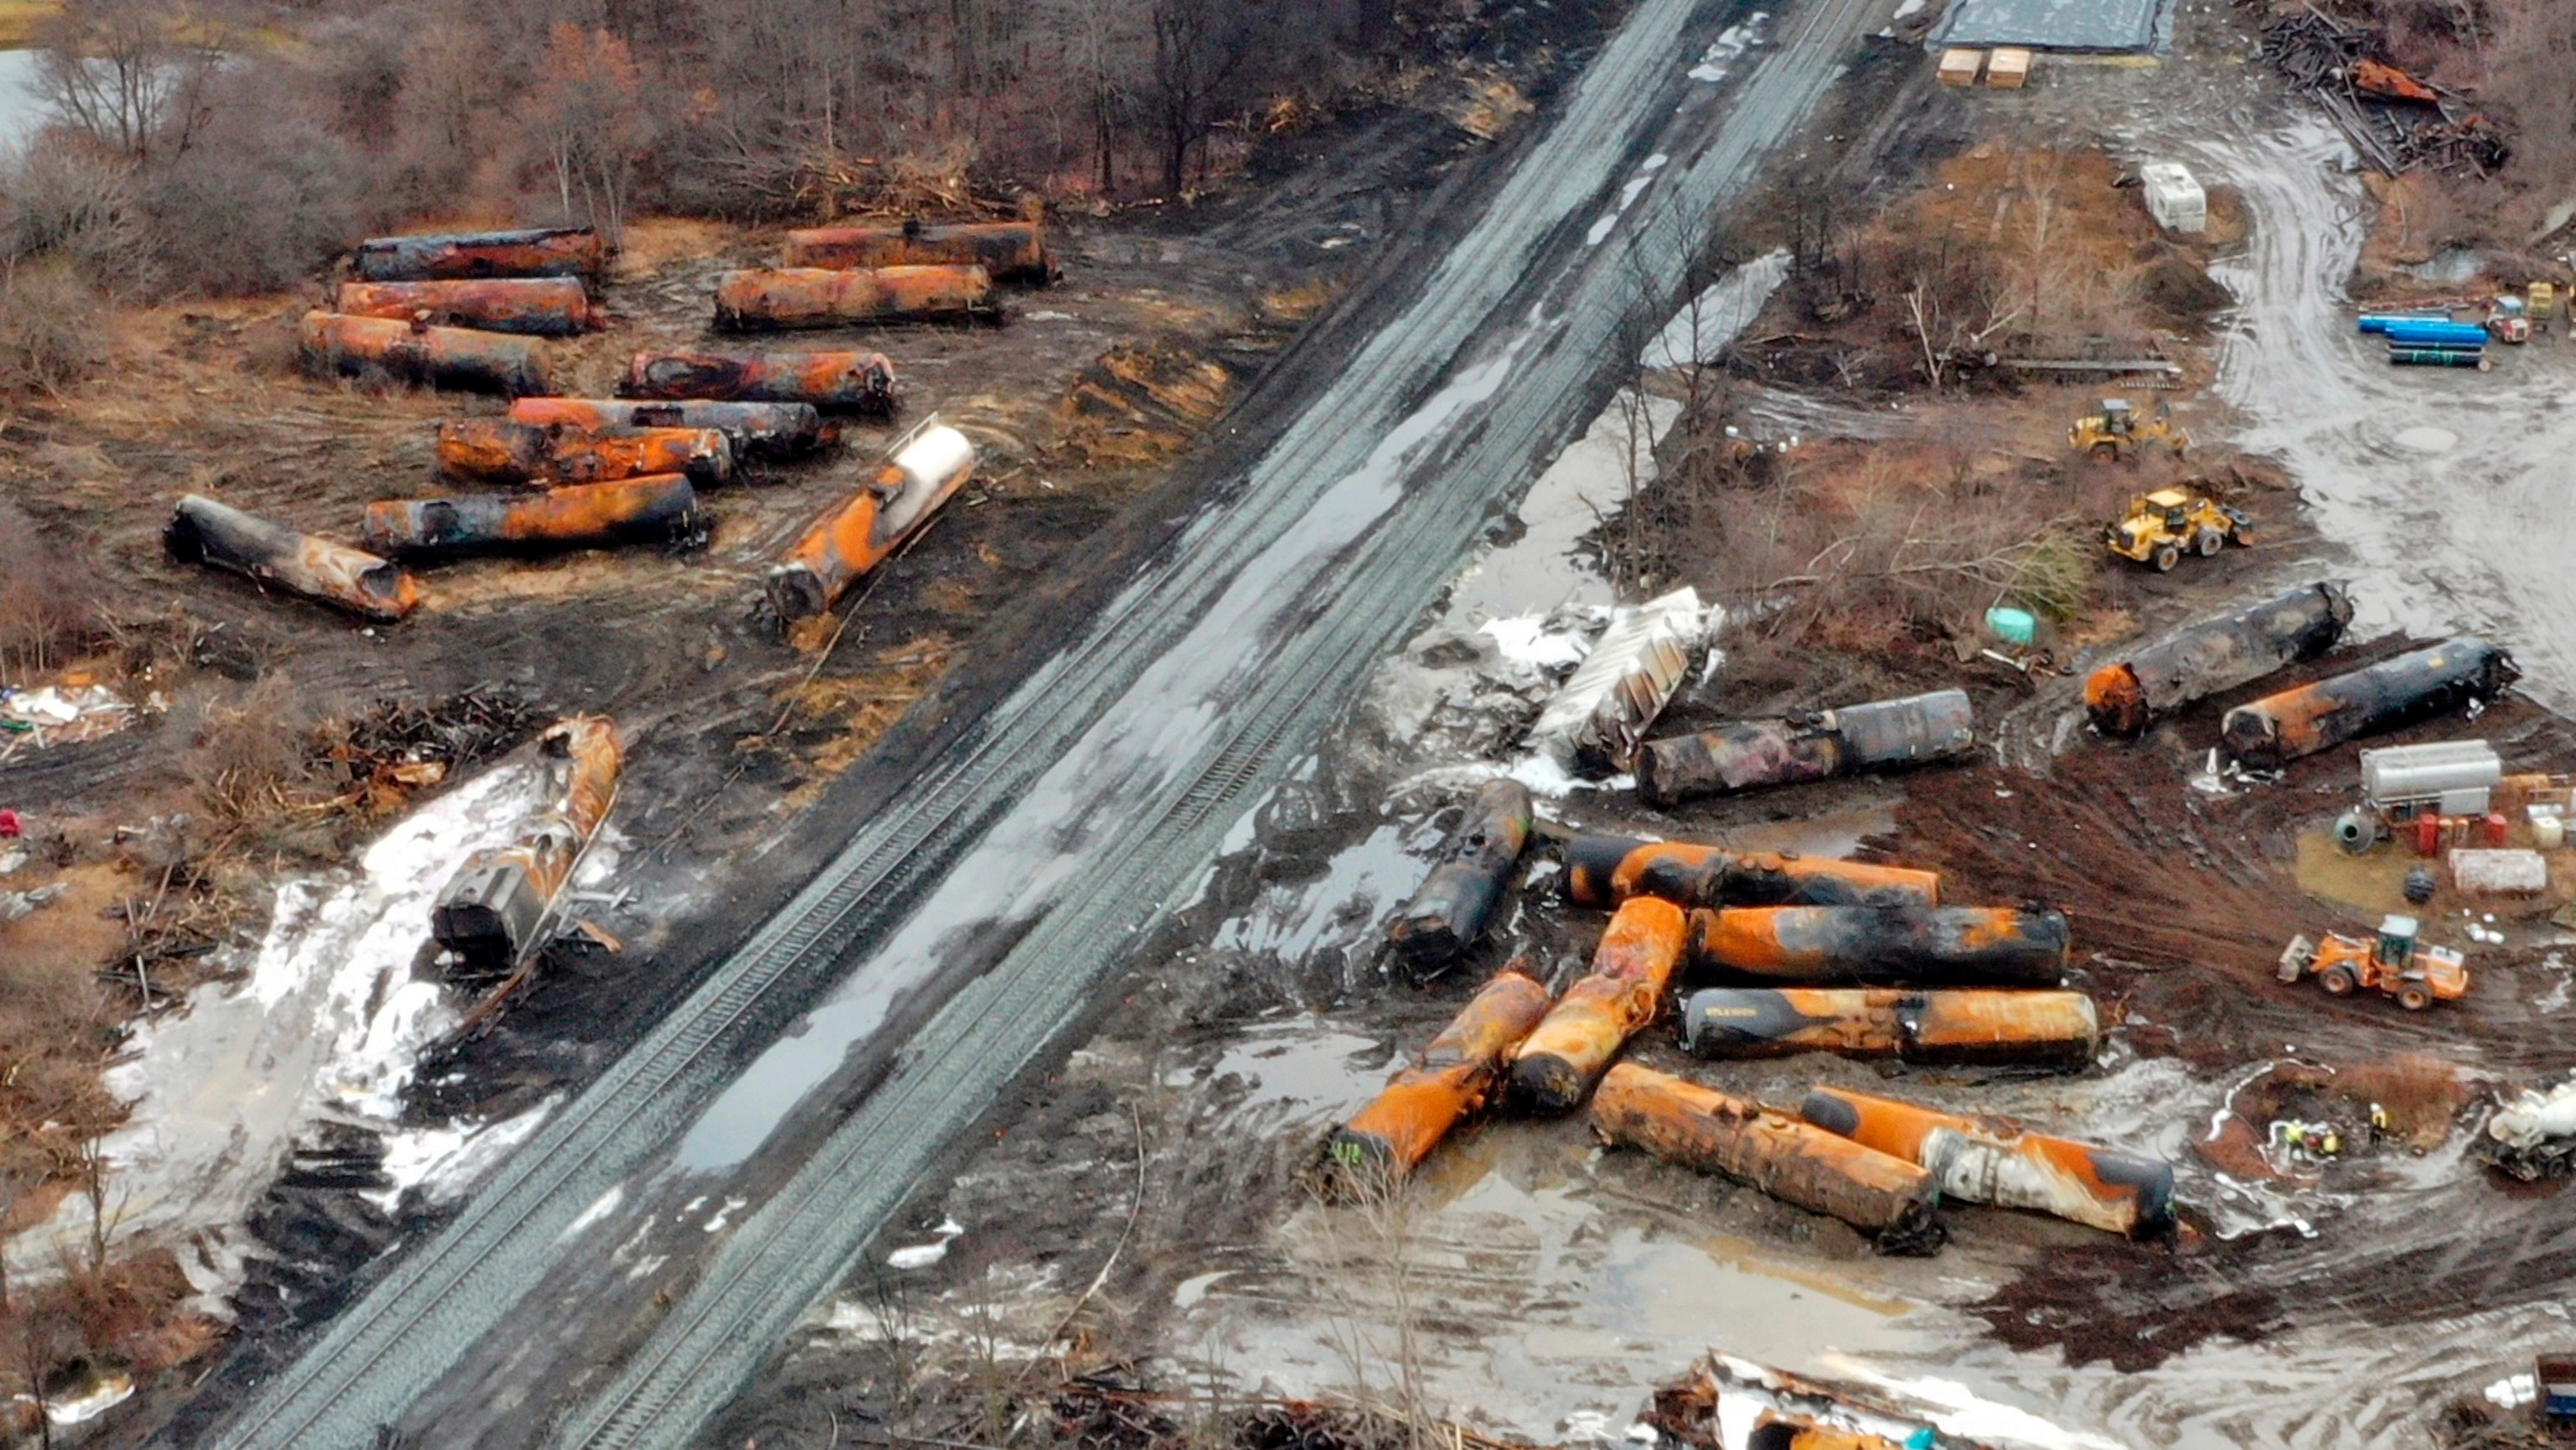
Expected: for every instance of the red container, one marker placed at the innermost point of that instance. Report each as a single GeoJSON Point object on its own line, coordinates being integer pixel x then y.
{"type": "Point", "coordinates": [2494, 828]}
{"type": "Point", "coordinates": [2428, 834]}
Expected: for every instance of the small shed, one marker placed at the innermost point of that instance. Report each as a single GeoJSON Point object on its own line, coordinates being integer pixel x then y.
{"type": "Point", "coordinates": [2174, 197]}
{"type": "Point", "coordinates": [1960, 65]}
{"type": "Point", "coordinates": [2008, 69]}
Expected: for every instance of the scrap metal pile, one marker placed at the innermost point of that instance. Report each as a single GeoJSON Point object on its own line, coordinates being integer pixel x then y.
{"type": "Point", "coordinates": [2396, 121]}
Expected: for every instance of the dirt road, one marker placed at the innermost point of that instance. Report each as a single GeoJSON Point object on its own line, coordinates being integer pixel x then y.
{"type": "Point", "coordinates": [1007, 883]}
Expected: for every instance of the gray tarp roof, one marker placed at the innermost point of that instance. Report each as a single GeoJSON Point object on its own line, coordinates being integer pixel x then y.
{"type": "Point", "coordinates": [2053, 24]}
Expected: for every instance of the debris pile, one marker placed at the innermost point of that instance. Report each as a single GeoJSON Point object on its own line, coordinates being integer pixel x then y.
{"type": "Point", "coordinates": [2396, 121]}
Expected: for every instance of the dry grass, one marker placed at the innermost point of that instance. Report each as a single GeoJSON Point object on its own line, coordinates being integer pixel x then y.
{"type": "Point", "coordinates": [2421, 1094]}
{"type": "Point", "coordinates": [20, 20]}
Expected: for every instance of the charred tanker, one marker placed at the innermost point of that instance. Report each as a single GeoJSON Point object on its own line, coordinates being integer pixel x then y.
{"type": "Point", "coordinates": [759, 299]}
{"type": "Point", "coordinates": [846, 543]}
{"type": "Point", "coordinates": [755, 430]}
{"type": "Point", "coordinates": [1009, 251]}
{"type": "Point", "coordinates": [1560, 1061]}
{"type": "Point", "coordinates": [1606, 870]}
{"type": "Point", "coordinates": [1991, 1160]}
{"type": "Point", "coordinates": [450, 256]}
{"type": "Point", "coordinates": [1384, 1141]}
{"type": "Point", "coordinates": [1931, 945]}
{"type": "Point", "coordinates": [493, 914]}
{"type": "Point", "coordinates": [1755, 753]}
{"type": "Point", "coordinates": [854, 382]}
{"type": "Point", "coordinates": [2215, 655]}
{"type": "Point", "coordinates": [530, 306]}
{"type": "Point", "coordinates": [2277, 729]}
{"type": "Point", "coordinates": [1699, 1128]}
{"type": "Point", "coordinates": [202, 531]}
{"type": "Point", "coordinates": [497, 450]}
{"type": "Point", "coordinates": [435, 357]}
{"type": "Point", "coordinates": [1446, 916]}
{"type": "Point", "coordinates": [1965, 1026]}
{"type": "Point", "coordinates": [654, 509]}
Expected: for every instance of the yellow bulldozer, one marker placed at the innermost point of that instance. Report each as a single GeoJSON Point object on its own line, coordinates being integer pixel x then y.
{"type": "Point", "coordinates": [2396, 963]}
{"type": "Point", "coordinates": [2116, 433]}
{"type": "Point", "coordinates": [2161, 526]}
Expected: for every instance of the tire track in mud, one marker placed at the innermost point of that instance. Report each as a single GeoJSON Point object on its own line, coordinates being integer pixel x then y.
{"type": "Point", "coordinates": [385, 1351]}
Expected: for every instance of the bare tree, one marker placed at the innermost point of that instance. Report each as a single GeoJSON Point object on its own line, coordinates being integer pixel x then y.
{"type": "Point", "coordinates": [1200, 48]}
{"type": "Point", "coordinates": [116, 71]}
{"type": "Point", "coordinates": [586, 120]}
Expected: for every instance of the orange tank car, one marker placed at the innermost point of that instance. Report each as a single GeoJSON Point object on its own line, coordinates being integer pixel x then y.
{"type": "Point", "coordinates": [1559, 1062]}
{"type": "Point", "coordinates": [762, 299]}
{"type": "Point", "coordinates": [1606, 870]}
{"type": "Point", "coordinates": [1992, 1160]}
{"type": "Point", "coordinates": [854, 538]}
{"type": "Point", "coordinates": [1699, 1128]}
{"type": "Point", "coordinates": [1386, 1140]}
{"type": "Point", "coordinates": [202, 531]}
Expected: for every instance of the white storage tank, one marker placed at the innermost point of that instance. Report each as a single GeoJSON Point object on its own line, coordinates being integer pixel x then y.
{"type": "Point", "coordinates": [2457, 773]}
{"type": "Point", "coordinates": [2174, 198]}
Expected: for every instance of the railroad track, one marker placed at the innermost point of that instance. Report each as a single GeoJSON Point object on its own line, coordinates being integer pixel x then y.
{"type": "Point", "coordinates": [1362, 509]}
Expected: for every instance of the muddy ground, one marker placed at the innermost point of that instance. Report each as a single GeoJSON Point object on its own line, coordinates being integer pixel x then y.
{"type": "Point", "coordinates": [744, 753]}
{"type": "Point", "coordinates": [1142, 1206]}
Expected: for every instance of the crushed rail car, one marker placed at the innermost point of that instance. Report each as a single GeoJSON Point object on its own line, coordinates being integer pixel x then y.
{"type": "Point", "coordinates": [1926, 945]}
{"type": "Point", "coordinates": [657, 508]}
{"type": "Point", "coordinates": [2125, 695]}
{"type": "Point", "coordinates": [1995, 1161]}
{"type": "Point", "coordinates": [1389, 1138]}
{"type": "Point", "coordinates": [760, 299]}
{"type": "Point", "coordinates": [493, 913]}
{"type": "Point", "coordinates": [498, 450]}
{"type": "Point", "coordinates": [2269, 733]}
{"type": "Point", "coordinates": [756, 430]}
{"type": "Point", "coordinates": [1565, 1055]}
{"type": "Point", "coordinates": [1700, 1128]}
{"type": "Point", "coordinates": [834, 381]}
{"type": "Point", "coordinates": [1592, 724]}
{"type": "Point", "coordinates": [202, 531]}
{"type": "Point", "coordinates": [458, 358]}
{"type": "Point", "coordinates": [855, 537]}
{"type": "Point", "coordinates": [1965, 1026]}
{"type": "Point", "coordinates": [1877, 735]}
{"type": "Point", "coordinates": [1009, 251]}
{"type": "Point", "coordinates": [529, 306]}
{"type": "Point", "coordinates": [457, 256]}
{"type": "Point", "coordinates": [1446, 916]}
{"type": "Point", "coordinates": [1606, 870]}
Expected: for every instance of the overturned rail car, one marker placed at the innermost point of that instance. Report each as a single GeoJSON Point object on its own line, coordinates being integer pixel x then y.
{"type": "Point", "coordinates": [1748, 755]}
{"type": "Point", "coordinates": [1936, 1025]}
{"type": "Point", "coordinates": [2269, 733]}
{"type": "Point", "coordinates": [202, 531]}
{"type": "Point", "coordinates": [1994, 1161]}
{"type": "Point", "coordinates": [1446, 916]}
{"type": "Point", "coordinates": [834, 381]}
{"type": "Point", "coordinates": [530, 306]}
{"type": "Point", "coordinates": [1009, 251]}
{"type": "Point", "coordinates": [498, 450]}
{"type": "Point", "coordinates": [1925, 945]}
{"type": "Point", "coordinates": [457, 358]}
{"type": "Point", "coordinates": [1557, 1064]}
{"type": "Point", "coordinates": [1386, 1140]}
{"type": "Point", "coordinates": [454, 256]}
{"type": "Point", "coordinates": [2122, 697]}
{"type": "Point", "coordinates": [493, 914]}
{"type": "Point", "coordinates": [1606, 870]}
{"type": "Point", "coordinates": [764, 299]}
{"type": "Point", "coordinates": [756, 430]}
{"type": "Point", "coordinates": [1684, 1123]}
{"type": "Point", "coordinates": [655, 509]}
{"type": "Point", "coordinates": [854, 538]}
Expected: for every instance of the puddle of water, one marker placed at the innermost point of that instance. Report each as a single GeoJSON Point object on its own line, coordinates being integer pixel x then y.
{"type": "Point", "coordinates": [326, 1024]}
{"type": "Point", "coordinates": [1302, 1070]}
{"type": "Point", "coordinates": [1702, 331]}
{"type": "Point", "coordinates": [1342, 909]}
{"type": "Point", "coordinates": [1541, 570]}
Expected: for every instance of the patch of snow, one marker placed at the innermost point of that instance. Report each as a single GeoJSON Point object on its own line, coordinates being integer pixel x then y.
{"type": "Point", "coordinates": [601, 1207]}
{"type": "Point", "coordinates": [1728, 48]}
{"type": "Point", "coordinates": [725, 1214]}
{"type": "Point", "coordinates": [1961, 1411]}
{"type": "Point", "coordinates": [444, 1161]}
{"type": "Point", "coordinates": [1703, 330]}
{"type": "Point", "coordinates": [2514, 1391]}
{"type": "Point", "coordinates": [922, 1256]}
